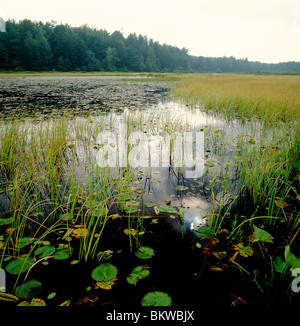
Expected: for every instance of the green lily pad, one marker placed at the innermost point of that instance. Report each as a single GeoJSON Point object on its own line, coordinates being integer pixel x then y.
{"type": "Point", "coordinates": [98, 211]}
{"type": "Point", "coordinates": [44, 251]}
{"type": "Point", "coordinates": [149, 204]}
{"type": "Point", "coordinates": [145, 253]}
{"type": "Point", "coordinates": [29, 289]}
{"type": "Point", "coordinates": [204, 232]}
{"type": "Point", "coordinates": [62, 254]}
{"type": "Point", "coordinates": [138, 273]}
{"type": "Point", "coordinates": [261, 235]}
{"type": "Point", "coordinates": [157, 298]}
{"type": "Point", "coordinates": [181, 188]}
{"type": "Point", "coordinates": [22, 242]}
{"type": "Point", "coordinates": [51, 295]}
{"type": "Point", "coordinates": [130, 209]}
{"type": "Point", "coordinates": [19, 265]}
{"type": "Point", "coordinates": [167, 209]}
{"type": "Point", "coordinates": [104, 272]}
{"type": "Point", "coordinates": [66, 216]}
{"type": "Point", "coordinates": [156, 180]}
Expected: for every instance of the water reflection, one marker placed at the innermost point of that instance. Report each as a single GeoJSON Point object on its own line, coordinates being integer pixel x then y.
{"type": "Point", "coordinates": [201, 197]}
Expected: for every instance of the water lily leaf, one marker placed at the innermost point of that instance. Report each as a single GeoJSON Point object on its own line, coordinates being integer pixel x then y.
{"type": "Point", "coordinates": [180, 188]}
{"type": "Point", "coordinates": [78, 233]}
{"type": "Point", "coordinates": [44, 251]}
{"type": "Point", "coordinates": [204, 232]}
{"type": "Point", "coordinates": [138, 273]}
{"type": "Point", "coordinates": [106, 285]}
{"type": "Point", "coordinates": [157, 298]}
{"type": "Point", "coordinates": [130, 231]}
{"type": "Point", "coordinates": [22, 242]}
{"type": "Point", "coordinates": [104, 255]}
{"type": "Point", "coordinates": [280, 203]}
{"type": "Point", "coordinates": [104, 272]}
{"type": "Point", "coordinates": [29, 289]}
{"type": "Point", "coordinates": [99, 211]}
{"type": "Point", "coordinates": [62, 254]}
{"type": "Point", "coordinates": [261, 235]}
{"type": "Point", "coordinates": [145, 253]}
{"type": "Point", "coordinates": [149, 204]}
{"type": "Point", "coordinates": [130, 209]}
{"type": "Point", "coordinates": [156, 180]}
{"type": "Point", "coordinates": [51, 295]}
{"type": "Point", "coordinates": [19, 265]}
{"type": "Point", "coordinates": [66, 216]}
{"type": "Point", "coordinates": [167, 209]}
{"type": "Point", "coordinates": [132, 203]}
{"type": "Point", "coordinates": [243, 251]}
{"type": "Point", "coordinates": [36, 302]}
{"type": "Point", "coordinates": [24, 304]}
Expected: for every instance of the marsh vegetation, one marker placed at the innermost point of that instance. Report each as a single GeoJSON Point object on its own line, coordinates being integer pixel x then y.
{"type": "Point", "coordinates": [75, 233]}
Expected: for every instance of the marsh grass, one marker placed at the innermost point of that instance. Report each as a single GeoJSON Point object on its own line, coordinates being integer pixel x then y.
{"type": "Point", "coordinates": [51, 184]}
{"type": "Point", "coordinates": [268, 97]}
{"type": "Point", "coordinates": [52, 188]}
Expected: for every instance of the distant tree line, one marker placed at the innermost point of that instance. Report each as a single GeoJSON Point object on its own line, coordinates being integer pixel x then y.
{"type": "Point", "coordinates": [37, 46]}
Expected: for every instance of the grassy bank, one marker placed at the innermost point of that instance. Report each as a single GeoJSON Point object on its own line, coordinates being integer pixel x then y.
{"type": "Point", "coordinates": [267, 97]}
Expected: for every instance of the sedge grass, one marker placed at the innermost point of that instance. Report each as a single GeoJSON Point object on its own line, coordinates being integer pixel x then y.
{"type": "Point", "coordinates": [270, 98]}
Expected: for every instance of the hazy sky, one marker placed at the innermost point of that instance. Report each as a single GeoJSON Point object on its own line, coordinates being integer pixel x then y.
{"type": "Point", "coordinates": [263, 30]}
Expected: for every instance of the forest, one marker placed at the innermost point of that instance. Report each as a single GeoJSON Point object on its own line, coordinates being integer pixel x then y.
{"type": "Point", "coordinates": [38, 46]}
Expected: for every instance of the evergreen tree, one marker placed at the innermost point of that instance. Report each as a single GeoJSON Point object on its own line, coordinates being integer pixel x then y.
{"type": "Point", "coordinates": [44, 46]}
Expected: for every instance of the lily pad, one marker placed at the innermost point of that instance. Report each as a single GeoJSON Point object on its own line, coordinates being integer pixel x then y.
{"type": "Point", "coordinates": [167, 209]}
{"type": "Point", "coordinates": [44, 251]}
{"type": "Point", "coordinates": [66, 216]}
{"type": "Point", "coordinates": [149, 204]}
{"type": "Point", "coordinates": [22, 242]}
{"type": "Point", "coordinates": [106, 285]}
{"type": "Point", "coordinates": [131, 232]}
{"type": "Point", "coordinates": [204, 232]}
{"type": "Point", "coordinates": [62, 254]}
{"type": "Point", "coordinates": [156, 180]}
{"type": "Point", "coordinates": [138, 273]}
{"type": "Point", "coordinates": [130, 209]}
{"type": "Point", "coordinates": [261, 235]}
{"type": "Point", "coordinates": [243, 251]}
{"type": "Point", "coordinates": [20, 265]}
{"type": "Point", "coordinates": [180, 188]}
{"type": "Point", "coordinates": [104, 272]}
{"type": "Point", "coordinates": [157, 298]}
{"type": "Point", "coordinates": [29, 289]}
{"type": "Point", "coordinates": [145, 253]}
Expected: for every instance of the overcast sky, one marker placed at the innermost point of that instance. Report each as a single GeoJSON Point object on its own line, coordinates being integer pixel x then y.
{"type": "Point", "coordinates": [263, 30]}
